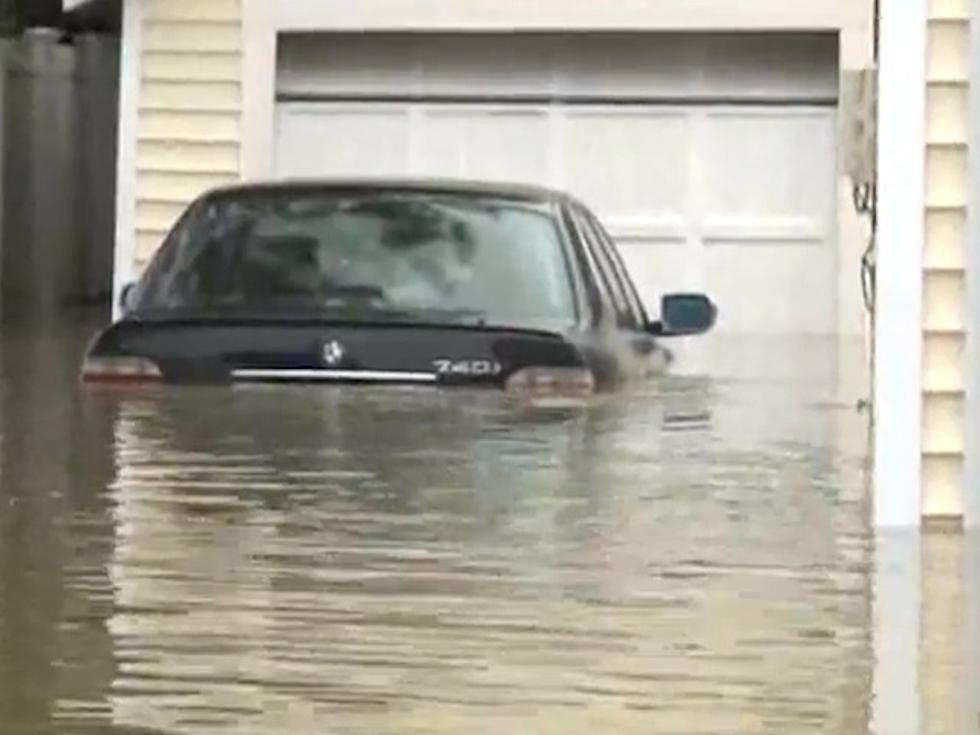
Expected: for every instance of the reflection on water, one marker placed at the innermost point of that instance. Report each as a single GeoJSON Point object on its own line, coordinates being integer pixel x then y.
{"type": "Point", "coordinates": [690, 557]}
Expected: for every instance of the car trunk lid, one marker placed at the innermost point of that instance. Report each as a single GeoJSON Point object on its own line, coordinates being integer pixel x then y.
{"type": "Point", "coordinates": [318, 351]}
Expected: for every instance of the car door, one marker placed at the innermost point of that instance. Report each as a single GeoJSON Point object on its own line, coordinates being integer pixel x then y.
{"type": "Point", "coordinates": [619, 266]}
{"type": "Point", "coordinates": [630, 317]}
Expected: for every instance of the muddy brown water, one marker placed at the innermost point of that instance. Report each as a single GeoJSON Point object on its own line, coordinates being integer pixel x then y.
{"type": "Point", "coordinates": [688, 556]}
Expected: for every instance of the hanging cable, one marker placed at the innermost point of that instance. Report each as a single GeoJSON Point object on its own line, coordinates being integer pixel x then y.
{"type": "Point", "coordinates": [864, 202]}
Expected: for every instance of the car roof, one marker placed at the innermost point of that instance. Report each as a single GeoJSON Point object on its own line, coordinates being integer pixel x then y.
{"type": "Point", "coordinates": [467, 187]}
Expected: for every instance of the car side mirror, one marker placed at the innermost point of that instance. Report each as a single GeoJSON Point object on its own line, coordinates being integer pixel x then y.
{"type": "Point", "coordinates": [126, 297]}
{"type": "Point", "coordinates": [683, 315]}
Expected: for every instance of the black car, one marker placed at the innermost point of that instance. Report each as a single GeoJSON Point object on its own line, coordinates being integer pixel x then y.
{"type": "Point", "coordinates": [419, 282]}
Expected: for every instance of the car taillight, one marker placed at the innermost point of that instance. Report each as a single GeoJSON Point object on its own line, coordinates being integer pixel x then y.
{"type": "Point", "coordinates": [551, 381]}
{"type": "Point", "coordinates": [120, 370]}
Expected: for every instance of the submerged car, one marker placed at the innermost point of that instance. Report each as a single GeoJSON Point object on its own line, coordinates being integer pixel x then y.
{"type": "Point", "coordinates": [421, 282]}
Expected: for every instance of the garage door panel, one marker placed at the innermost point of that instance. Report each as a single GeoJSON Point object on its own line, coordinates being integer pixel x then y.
{"type": "Point", "coordinates": [634, 68]}
{"type": "Point", "coordinates": [696, 199]}
{"type": "Point", "coordinates": [766, 183]}
{"type": "Point", "coordinates": [595, 65]}
{"type": "Point", "coordinates": [775, 66]}
{"type": "Point", "coordinates": [764, 231]}
{"type": "Point", "coordinates": [665, 229]}
{"type": "Point", "coordinates": [348, 64]}
{"type": "Point", "coordinates": [658, 266]}
{"type": "Point", "coordinates": [627, 163]}
{"type": "Point", "coordinates": [509, 66]}
{"type": "Point", "coordinates": [767, 164]}
{"type": "Point", "coordinates": [496, 144]}
{"type": "Point", "coordinates": [779, 290]}
{"type": "Point", "coordinates": [337, 140]}
{"type": "Point", "coordinates": [657, 253]}
{"type": "Point", "coordinates": [713, 165]}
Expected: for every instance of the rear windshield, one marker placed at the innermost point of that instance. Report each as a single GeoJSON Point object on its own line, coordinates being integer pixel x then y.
{"type": "Point", "coordinates": [374, 256]}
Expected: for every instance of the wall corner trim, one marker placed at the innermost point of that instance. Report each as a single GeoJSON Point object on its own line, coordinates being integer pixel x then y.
{"type": "Point", "coordinates": [971, 430]}
{"type": "Point", "coordinates": [898, 344]}
{"type": "Point", "coordinates": [126, 168]}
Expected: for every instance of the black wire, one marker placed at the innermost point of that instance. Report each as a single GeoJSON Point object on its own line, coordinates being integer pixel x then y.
{"type": "Point", "coordinates": [869, 276]}
{"type": "Point", "coordinates": [865, 199]}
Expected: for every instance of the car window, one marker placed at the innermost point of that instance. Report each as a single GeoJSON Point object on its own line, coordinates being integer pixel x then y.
{"type": "Point", "coordinates": [619, 266]}
{"type": "Point", "coordinates": [443, 257]}
{"type": "Point", "coordinates": [625, 316]}
{"type": "Point", "coordinates": [596, 284]}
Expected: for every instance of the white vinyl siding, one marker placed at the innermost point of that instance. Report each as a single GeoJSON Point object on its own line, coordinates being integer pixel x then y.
{"type": "Point", "coordinates": [944, 278]}
{"type": "Point", "coordinates": [189, 122]}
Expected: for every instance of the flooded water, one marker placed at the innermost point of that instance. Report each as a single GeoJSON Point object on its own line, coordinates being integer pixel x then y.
{"type": "Point", "coordinates": [690, 556]}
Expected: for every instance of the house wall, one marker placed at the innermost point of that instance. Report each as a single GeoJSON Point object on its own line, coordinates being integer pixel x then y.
{"type": "Point", "coordinates": [187, 130]}
{"type": "Point", "coordinates": [186, 123]}
{"type": "Point", "coordinates": [198, 101]}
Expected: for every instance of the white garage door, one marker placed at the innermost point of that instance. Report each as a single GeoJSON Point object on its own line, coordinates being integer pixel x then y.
{"type": "Point", "coordinates": [710, 159]}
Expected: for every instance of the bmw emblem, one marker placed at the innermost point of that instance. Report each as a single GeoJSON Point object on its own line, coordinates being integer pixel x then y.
{"type": "Point", "coordinates": [333, 353]}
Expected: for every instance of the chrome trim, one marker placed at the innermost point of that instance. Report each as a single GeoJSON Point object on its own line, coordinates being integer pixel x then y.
{"type": "Point", "coordinates": [365, 376]}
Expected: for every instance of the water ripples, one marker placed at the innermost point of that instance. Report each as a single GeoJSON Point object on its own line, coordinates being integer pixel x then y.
{"type": "Point", "coordinates": [687, 558]}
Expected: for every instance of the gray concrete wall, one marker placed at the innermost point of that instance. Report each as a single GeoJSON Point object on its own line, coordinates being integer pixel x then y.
{"type": "Point", "coordinates": [4, 49]}
{"type": "Point", "coordinates": [58, 197]}
{"type": "Point", "coordinates": [97, 94]}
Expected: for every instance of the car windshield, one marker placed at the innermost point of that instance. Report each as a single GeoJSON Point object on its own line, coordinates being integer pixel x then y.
{"type": "Point", "coordinates": [373, 256]}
